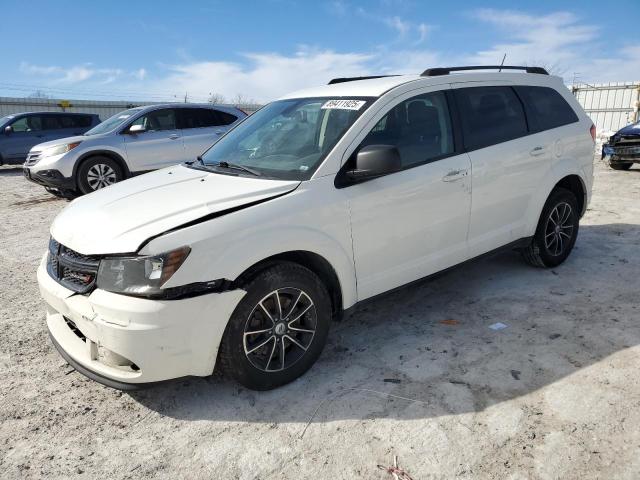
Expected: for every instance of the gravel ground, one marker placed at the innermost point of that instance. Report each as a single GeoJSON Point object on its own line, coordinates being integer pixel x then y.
{"type": "Point", "coordinates": [556, 394]}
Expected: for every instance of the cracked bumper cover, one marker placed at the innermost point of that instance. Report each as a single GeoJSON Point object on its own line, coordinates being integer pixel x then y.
{"type": "Point", "coordinates": [151, 340]}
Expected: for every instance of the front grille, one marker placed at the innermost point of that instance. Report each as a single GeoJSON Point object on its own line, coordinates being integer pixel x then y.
{"type": "Point", "coordinates": [71, 269]}
{"type": "Point", "coordinates": [32, 159]}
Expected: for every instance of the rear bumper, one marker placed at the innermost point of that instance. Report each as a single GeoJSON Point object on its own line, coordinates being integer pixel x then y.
{"type": "Point", "coordinates": [126, 343]}
{"type": "Point", "coordinates": [49, 178]}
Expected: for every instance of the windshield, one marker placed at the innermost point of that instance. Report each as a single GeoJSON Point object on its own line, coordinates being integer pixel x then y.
{"type": "Point", "coordinates": [287, 139]}
{"type": "Point", "coordinates": [113, 122]}
{"type": "Point", "coordinates": [6, 119]}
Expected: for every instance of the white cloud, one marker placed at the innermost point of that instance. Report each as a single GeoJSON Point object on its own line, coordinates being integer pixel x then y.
{"type": "Point", "coordinates": [398, 25]}
{"type": "Point", "coordinates": [558, 40]}
{"type": "Point", "coordinates": [78, 73]}
{"type": "Point", "coordinates": [267, 75]}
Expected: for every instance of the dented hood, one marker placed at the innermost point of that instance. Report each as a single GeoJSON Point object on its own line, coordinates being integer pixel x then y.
{"type": "Point", "coordinates": [119, 218]}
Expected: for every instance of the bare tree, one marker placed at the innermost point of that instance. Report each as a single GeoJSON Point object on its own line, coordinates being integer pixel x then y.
{"type": "Point", "coordinates": [241, 99]}
{"type": "Point", "coordinates": [38, 94]}
{"type": "Point", "coordinates": [216, 98]}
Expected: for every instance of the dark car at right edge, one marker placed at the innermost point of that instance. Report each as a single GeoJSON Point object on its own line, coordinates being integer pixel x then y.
{"type": "Point", "coordinates": [623, 148]}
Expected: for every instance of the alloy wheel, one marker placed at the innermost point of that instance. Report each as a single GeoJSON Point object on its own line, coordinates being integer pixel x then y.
{"type": "Point", "coordinates": [100, 176]}
{"type": "Point", "coordinates": [280, 329]}
{"type": "Point", "coordinates": [559, 229]}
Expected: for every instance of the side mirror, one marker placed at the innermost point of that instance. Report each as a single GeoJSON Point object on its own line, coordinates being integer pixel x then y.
{"type": "Point", "coordinates": [137, 129]}
{"type": "Point", "coordinates": [375, 161]}
{"type": "Point", "coordinates": [8, 130]}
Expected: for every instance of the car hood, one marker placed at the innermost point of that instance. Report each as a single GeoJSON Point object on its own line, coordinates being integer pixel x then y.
{"type": "Point", "coordinates": [630, 130]}
{"type": "Point", "coordinates": [120, 218]}
{"type": "Point", "coordinates": [63, 141]}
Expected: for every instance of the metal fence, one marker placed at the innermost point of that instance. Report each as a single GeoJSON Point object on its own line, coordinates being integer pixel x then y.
{"type": "Point", "coordinates": [611, 106]}
{"type": "Point", "coordinates": [104, 109]}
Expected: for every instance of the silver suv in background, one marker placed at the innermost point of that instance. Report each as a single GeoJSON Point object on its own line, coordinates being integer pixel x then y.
{"type": "Point", "coordinates": [134, 141]}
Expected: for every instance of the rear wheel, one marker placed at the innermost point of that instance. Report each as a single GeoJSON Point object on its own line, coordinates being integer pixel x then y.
{"type": "Point", "coordinates": [620, 165]}
{"type": "Point", "coordinates": [278, 329]}
{"type": "Point", "coordinates": [556, 232]}
{"type": "Point", "coordinates": [98, 172]}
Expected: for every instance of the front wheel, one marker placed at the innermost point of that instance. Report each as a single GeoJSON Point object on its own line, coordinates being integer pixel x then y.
{"type": "Point", "coordinates": [556, 232]}
{"type": "Point", "coordinates": [98, 172]}
{"type": "Point", "coordinates": [278, 329]}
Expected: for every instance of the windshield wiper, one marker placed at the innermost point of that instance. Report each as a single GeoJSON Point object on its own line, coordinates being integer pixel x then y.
{"type": "Point", "coordinates": [236, 166]}
{"type": "Point", "coordinates": [233, 166]}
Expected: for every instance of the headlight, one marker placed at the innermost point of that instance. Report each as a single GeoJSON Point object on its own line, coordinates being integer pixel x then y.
{"type": "Point", "coordinates": [143, 275]}
{"type": "Point", "coordinates": [59, 149]}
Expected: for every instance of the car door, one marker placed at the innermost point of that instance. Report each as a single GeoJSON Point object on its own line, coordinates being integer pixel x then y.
{"type": "Point", "coordinates": [158, 145]}
{"type": "Point", "coordinates": [508, 164]}
{"type": "Point", "coordinates": [202, 127]}
{"type": "Point", "coordinates": [414, 222]}
{"type": "Point", "coordinates": [26, 132]}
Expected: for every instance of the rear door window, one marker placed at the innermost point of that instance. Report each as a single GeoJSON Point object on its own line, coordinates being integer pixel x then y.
{"type": "Point", "coordinates": [50, 122]}
{"type": "Point", "coordinates": [545, 107]}
{"type": "Point", "coordinates": [198, 118]}
{"type": "Point", "coordinates": [490, 115]}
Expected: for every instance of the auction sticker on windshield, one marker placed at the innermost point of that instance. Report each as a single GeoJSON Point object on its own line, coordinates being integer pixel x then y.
{"type": "Point", "coordinates": [343, 104]}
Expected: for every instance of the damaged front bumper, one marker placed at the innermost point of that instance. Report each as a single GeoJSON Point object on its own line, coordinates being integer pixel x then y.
{"type": "Point", "coordinates": [126, 342]}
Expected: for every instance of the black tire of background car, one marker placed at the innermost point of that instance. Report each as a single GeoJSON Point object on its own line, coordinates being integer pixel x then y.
{"type": "Point", "coordinates": [536, 253]}
{"type": "Point", "coordinates": [83, 170]}
{"type": "Point", "coordinates": [232, 359]}
{"type": "Point", "coordinates": [620, 165]}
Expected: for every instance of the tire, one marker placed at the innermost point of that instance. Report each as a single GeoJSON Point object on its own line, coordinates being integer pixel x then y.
{"type": "Point", "coordinates": [256, 360]}
{"type": "Point", "coordinates": [96, 173]}
{"type": "Point", "coordinates": [620, 165]}
{"type": "Point", "coordinates": [558, 224]}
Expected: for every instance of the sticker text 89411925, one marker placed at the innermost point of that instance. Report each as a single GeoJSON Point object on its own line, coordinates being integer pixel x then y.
{"type": "Point", "coordinates": [343, 104]}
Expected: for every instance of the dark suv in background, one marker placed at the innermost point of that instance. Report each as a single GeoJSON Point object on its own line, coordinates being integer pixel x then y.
{"type": "Point", "coordinates": [21, 131]}
{"type": "Point", "coordinates": [623, 148]}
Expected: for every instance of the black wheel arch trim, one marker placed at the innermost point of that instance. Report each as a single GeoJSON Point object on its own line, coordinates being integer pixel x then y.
{"type": "Point", "coordinates": [104, 153]}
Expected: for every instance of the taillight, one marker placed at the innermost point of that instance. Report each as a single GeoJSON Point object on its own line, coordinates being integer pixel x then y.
{"type": "Point", "coordinates": [592, 130]}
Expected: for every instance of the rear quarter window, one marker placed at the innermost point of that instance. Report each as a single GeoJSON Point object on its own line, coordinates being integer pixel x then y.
{"type": "Point", "coordinates": [546, 108]}
{"type": "Point", "coordinates": [226, 118]}
{"type": "Point", "coordinates": [490, 115]}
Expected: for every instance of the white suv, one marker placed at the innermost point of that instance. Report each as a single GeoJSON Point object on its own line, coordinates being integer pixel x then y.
{"type": "Point", "coordinates": [320, 200]}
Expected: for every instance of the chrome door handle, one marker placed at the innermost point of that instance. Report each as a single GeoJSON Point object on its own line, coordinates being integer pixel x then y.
{"type": "Point", "coordinates": [536, 151]}
{"type": "Point", "coordinates": [219, 132]}
{"type": "Point", "coordinates": [174, 136]}
{"type": "Point", "coordinates": [454, 175]}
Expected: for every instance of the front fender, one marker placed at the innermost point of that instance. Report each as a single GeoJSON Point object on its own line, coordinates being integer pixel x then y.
{"type": "Point", "coordinates": [309, 219]}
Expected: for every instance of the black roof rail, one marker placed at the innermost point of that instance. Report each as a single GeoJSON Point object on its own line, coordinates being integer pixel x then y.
{"type": "Point", "coordinates": [435, 72]}
{"type": "Point", "coordinates": [333, 81]}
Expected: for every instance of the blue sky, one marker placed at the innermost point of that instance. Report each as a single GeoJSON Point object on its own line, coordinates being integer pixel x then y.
{"type": "Point", "coordinates": [260, 50]}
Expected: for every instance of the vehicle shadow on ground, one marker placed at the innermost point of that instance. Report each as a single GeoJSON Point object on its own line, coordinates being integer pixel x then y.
{"type": "Point", "coordinates": [432, 343]}
{"type": "Point", "coordinates": [11, 170]}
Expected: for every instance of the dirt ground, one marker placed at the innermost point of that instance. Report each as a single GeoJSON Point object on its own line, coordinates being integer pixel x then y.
{"type": "Point", "coordinates": [555, 394]}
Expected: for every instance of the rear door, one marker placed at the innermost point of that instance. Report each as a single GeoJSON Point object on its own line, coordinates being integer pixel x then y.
{"type": "Point", "coordinates": [160, 145]}
{"type": "Point", "coordinates": [202, 127]}
{"type": "Point", "coordinates": [508, 164]}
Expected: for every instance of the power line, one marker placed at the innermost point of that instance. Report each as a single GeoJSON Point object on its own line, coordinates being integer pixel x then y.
{"type": "Point", "coordinates": [128, 94]}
